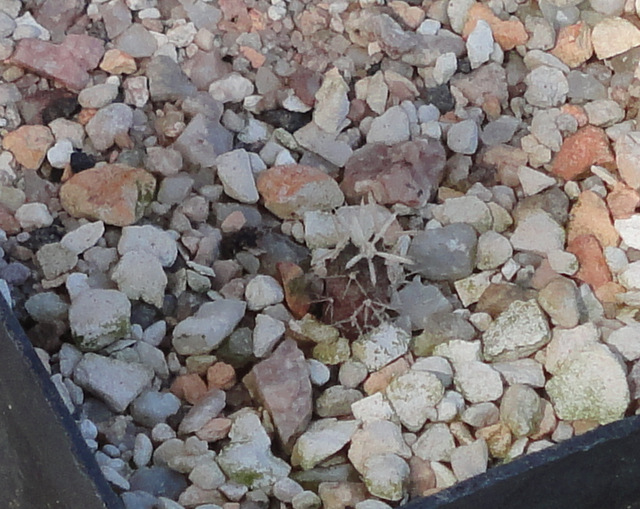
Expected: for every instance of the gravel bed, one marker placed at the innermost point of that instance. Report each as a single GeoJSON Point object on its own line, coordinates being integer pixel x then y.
{"type": "Point", "coordinates": [323, 254]}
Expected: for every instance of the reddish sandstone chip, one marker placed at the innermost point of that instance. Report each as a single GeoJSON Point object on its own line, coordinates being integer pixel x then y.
{"type": "Point", "coordinates": [295, 288]}
{"type": "Point", "coordinates": [581, 150]}
{"type": "Point", "coordinates": [593, 266]}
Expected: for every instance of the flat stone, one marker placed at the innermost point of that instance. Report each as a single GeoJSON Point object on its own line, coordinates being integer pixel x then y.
{"type": "Point", "coordinates": [590, 385]}
{"type": "Point", "coordinates": [113, 193]}
{"type": "Point", "coordinates": [139, 276]}
{"type": "Point", "coordinates": [291, 190]}
{"type": "Point", "coordinates": [441, 327]}
{"type": "Point", "coordinates": [533, 181]}
{"type": "Point", "coordinates": [282, 385]}
{"type": "Point", "coordinates": [446, 253]}
{"type": "Point", "coordinates": [115, 382]}
{"type": "Point", "coordinates": [247, 459]}
{"type": "Point", "coordinates": [98, 96]}
{"type": "Point", "coordinates": [336, 401]}
{"type": "Point", "coordinates": [390, 128]}
{"type": "Point", "coordinates": [538, 232]}
{"type": "Point", "coordinates": [516, 333]}
{"type": "Point", "coordinates": [413, 396]}
{"type": "Point", "coordinates": [613, 36]}
{"type": "Point", "coordinates": [47, 307]}
{"type": "Point", "coordinates": [590, 216]}
{"type": "Point", "coordinates": [29, 145]}
{"type": "Point", "coordinates": [236, 175]}
{"type": "Point", "coordinates": [167, 81]}
{"type": "Point", "coordinates": [150, 239]}
{"type": "Point", "coordinates": [99, 317]}
{"type": "Point", "coordinates": [323, 439]}
{"type": "Point", "coordinates": [500, 130]}
{"type": "Point", "coordinates": [381, 346]}
{"type": "Point", "coordinates": [214, 321]}
{"type": "Point", "coordinates": [408, 173]}
{"type": "Point", "coordinates": [332, 103]}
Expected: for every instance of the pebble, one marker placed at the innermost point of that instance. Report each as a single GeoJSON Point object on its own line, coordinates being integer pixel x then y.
{"type": "Point", "coordinates": [332, 103]}
{"type": "Point", "coordinates": [516, 333]}
{"type": "Point", "coordinates": [560, 300]}
{"type": "Point", "coordinates": [247, 459]}
{"type": "Point", "coordinates": [152, 408]}
{"type": "Point", "coordinates": [627, 150]}
{"type": "Point", "coordinates": [54, 259]}
{"type": "Point", "coordinates": [470, 460]}
{"type": "Point", "coordinates": [604, 113]}
{"type": "Point", "coordinates": [323, 439]}
{"type": "Point", "coordinates": [465, 209]}
{"type": "Point", "coordinates": [521, 410]}
{"type": "Point", "coordinates": [99, 317]}
{"type": "Point", "coordinates": [82, 238]}
{"type": "Point", "coordinates": [386, 476]}
{"type": "Point", "coordinates": [203, 140]}
{"type": "Point", "coordinates": [477, 382]}
{"type": "Point", "coordinates": [98, 96]}
{"type": "Point", "coordinates": [232, 88]}
{"type": "Point", "coordinates": [139, 275]}
{"type": "Point", "coordinates": [150, 239]}
{"type": "Point", "coordinates": [533, 181]}
{"type": "Point", "coordinates": [113, 193]}
{"type": "Point", "coordinates": [381, 346]}
{"type": "Point", "coordinates": [480, 44]}
{"type": "Point", "coordinates": [60, 154]}
{"type": "Point", "coordinates": [390, 128]}
{"type": "Point", "coordinates": [29, 145]}
{"type": "Point", "coordinates": [115, 382]}
{"type": "Point", "coordinates": [46, 307]}
{"type": "Point", "coordinates": [521, 371]}
{"type": "Point", "coordinates": [613, 36]}
{"type": "Point", "coordinates": [590, 384]}
{"type": "Point", "coordinates": [435, 443]}
{"type": "Point", "coordinates": [290, 191]}
{"type": "Point", "coordinates": [538, 232]}
{"type": "Point", "coordinates": [493, 250]}
{"type": "Point", "coordinates": [393, 174]}
{"type": "Point", "coordinates": [263, 291]}
{"type": "Point", "coordinates": [546, 87]}
{"type": "Point", "coordinates": [462, 137]}
{"type": "Point", "coordinates": [446, 253]}
{"type": "Point", "coordinates": [336, 401]}
{"type": "Point", "coordinates": [286, 394]}
{"type": "Point", "coordinates": [142, 451]}
{"type": "Point", "coordinates": [419, 301]}
{"type": "Point", "coordinates": [376, 438]}
{"type": "Point", "coordinates": [31, 216]}
{"type": "Point", "coordinates": [324, 144]}
{"type": "Point", "coordinates": [413, 396]}
{"type": "Point", "coordinates": [266, 334]}
{"type": "Point", "coordinates": [116, 61]}
{"type": "Point", "coordinates": [236, 175]}
{"type": "Point", "coordinates": [211, 324]}
{"type": "Point", "coordinates": [207, 407]}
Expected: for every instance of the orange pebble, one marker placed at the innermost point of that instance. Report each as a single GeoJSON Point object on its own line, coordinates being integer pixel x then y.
{"type": "Point", "coordinates": [189, 387]}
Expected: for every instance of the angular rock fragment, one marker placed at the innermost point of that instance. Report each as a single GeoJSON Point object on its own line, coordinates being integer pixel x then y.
{"type": "Point", "coordinates": [113, 193]}
{"type": "Point", "coordinates": [281, 383]}
{"type": "Point", "coordinates": [203, 140]}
